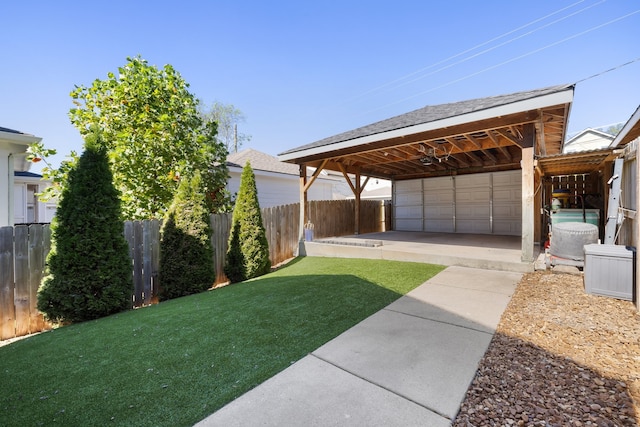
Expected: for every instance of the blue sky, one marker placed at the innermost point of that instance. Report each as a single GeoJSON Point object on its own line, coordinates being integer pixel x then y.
{"type": "Point", "coordinates": [302, 71]}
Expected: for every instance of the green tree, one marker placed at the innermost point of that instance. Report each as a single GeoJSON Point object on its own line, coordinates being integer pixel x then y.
{"type": "Point", "coordinates": [247, 232]}
{"type": "Point", "coordinates": [186, 255]}
{"type": "Point", "coordinates": [153, 134]}
{"type": "Point", "coordinates": [234, 267]}
{"type": "Point", "coordinates": [88, 268]}
{"type": "Point", "coordinates": [227, 117]}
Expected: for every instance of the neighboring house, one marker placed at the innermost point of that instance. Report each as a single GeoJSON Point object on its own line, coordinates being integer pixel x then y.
{"type": "Point", "coordinates": [278, 183]}
{"type": "Point", "coordinates": [376, 189]}
{"type": "Point", "coordinates": [27, 208]}
{"type": "Point", "coordinates": [13, 152]}
{"type": "Point", "coordinates": [586, 140]}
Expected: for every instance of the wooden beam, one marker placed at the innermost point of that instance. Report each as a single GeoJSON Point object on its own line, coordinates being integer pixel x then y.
{"type": "Point", "coordinates": [346, 176]}
{"type": "Point", "coordinates": [502, 149]}
{"type": "Point", "coordinates": [315, 175]}
{"type": "Point", "coordinates": [479, 145]}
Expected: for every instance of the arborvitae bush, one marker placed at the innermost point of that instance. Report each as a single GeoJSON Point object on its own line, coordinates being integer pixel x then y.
{"type": "Point", "coordinates": [89, 272]}
{"type": "Point", "coordinates": [234, 262]}
{"type": "Point", "coordinates": [186, 255]}
{"type": "Point", "coordinates": [247, 233]}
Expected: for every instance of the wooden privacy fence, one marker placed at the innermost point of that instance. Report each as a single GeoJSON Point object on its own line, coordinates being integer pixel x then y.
{"type": "Point", "coordinates": [23, 251]}
{"type": "Point", "coordinates": [21, 270]}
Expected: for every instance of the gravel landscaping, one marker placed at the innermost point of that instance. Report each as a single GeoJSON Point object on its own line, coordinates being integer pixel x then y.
{"type": "Point", "coordinates": [560, 357]}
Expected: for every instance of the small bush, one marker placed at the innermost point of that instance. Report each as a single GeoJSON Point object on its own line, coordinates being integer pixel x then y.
{"type": "Point", "coordinates": [88, 268]}
{"type": "Point", "coordinates": [186, 255]}
{"type": "Point", "coordinates": [248, 236]}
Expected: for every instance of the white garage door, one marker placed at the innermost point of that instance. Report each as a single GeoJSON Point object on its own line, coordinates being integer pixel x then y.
{"type": "Point", "coordinates": [488, 203]}
{"type": "Point", "coordinates": [439, 205]}
{"type": "Point", "coordinates": [408, 205]}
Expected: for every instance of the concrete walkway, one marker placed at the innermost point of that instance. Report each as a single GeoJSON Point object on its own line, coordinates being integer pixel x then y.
{"type": "Point", "coordinates": [409, 364]}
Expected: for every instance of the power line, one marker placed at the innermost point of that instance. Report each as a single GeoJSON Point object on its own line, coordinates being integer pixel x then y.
{"type": "Point", "coordinates": [468, 58]}
{"type": "Point", "coordinates": [508, 61]}
{"type": "Point", "coordinates": [609, 70]}
{"type": "Point", "coordinates": [443, 61]}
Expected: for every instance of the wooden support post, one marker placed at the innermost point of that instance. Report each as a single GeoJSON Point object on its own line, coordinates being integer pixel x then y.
{"type": "Point", "coordinates": [303, 201]}
{"type": "Point", "coordinates": [528, 192]}
{"type": "Point", "coordinates": [357, 195]}
{"type": "Point", "coordinates": [635, 238]}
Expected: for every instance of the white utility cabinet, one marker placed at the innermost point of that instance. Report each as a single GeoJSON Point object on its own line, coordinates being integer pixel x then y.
{"type": "Point", "coordinates": [608, 270]}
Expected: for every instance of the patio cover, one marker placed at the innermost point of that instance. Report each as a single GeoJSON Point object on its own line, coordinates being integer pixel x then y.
{"type": "Point", "coordinates": [497, 133]}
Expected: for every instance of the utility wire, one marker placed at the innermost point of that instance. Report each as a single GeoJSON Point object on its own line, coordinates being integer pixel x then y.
{"type": "Point", "coordinates": [609, 70]}
{"type": "Point", "coordinates": [443, 61]}
{"type": "Point", "coordinates": [507, 61]}
{"type": "Point", "coordinates": [499, 45]}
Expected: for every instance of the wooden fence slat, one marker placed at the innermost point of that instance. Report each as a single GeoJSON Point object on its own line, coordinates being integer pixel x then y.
{"type": "Point", "coordinates": [21, 295]}
{"type": "Point", "coordinates": [7, 308]}
{"type": "Point", "coordinates": [37, 260]}
{"type": "Point", "coordinates": [46, 247]}
{"type": "Point", "coordinates": [155, 260]}
{"type": "Point", "coordinates": [146, 261]}
{"type": "Point", "coordinates": [138, 288]}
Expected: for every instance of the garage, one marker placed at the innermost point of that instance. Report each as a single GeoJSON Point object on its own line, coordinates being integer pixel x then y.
{"type": "Point", "coordinates": [485, 203]}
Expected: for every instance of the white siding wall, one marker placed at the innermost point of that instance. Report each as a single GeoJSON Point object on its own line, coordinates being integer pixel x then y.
{"type": "Point", "coordinates": [280, 189]}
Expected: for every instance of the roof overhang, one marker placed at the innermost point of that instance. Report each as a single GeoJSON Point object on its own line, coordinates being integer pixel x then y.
{"type": "Point", "coordinates": [481, 139]}
{"type": "Point", "coordinates": [577, 163]}
{"type": "Point", "coordinates": [629, 132]}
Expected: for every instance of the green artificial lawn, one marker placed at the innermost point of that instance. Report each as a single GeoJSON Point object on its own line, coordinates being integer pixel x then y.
{"type": "Point", "coordinates": [174, 363]}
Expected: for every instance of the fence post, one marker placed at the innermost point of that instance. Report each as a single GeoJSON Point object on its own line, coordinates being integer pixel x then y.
{"type": "Point", "coordinates": [21, 270]}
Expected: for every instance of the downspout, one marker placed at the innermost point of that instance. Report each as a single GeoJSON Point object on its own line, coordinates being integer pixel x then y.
{"type": "Point", "coordinates": [10, 189]}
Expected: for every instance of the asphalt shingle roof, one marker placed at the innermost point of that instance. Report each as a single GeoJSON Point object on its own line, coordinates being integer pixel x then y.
{"type": "Point", "coordinates": [431, 113]}
{"type": "Point", "coordinates": [260, 161]}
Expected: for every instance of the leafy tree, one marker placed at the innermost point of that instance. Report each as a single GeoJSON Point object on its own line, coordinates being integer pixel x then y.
{"type": "Point", "coordinates": [227, 117]}
{"type": "Point", "coordinates": [153, 134]}
{"type": "Point", "coordinates": [37, 152]}
{"type": "Point", "coordinates": [88, 268]}
{"type": "Point", "coordinates": [247, 232]}
{"type": "Point", "coordinates": [186, 254]}
{"type": "Point", "coordinates": [614, 129]}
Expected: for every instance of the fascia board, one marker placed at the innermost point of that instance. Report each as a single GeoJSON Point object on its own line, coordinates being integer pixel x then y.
{"type": "Point", "coordinates": [18, 138]}
{"type": "Point", "coordinates": [563, 97]}
{"type": "Point", "coordinates": [626, 128]}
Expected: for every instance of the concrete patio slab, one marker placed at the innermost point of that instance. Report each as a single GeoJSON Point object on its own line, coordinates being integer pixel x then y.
{"type": "Point", "coordinates": [489, 252]}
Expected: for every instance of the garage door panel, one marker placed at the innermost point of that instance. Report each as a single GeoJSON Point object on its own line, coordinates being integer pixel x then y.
{"type": "Point", "coordinates": [440, 183]}
{"type": "Point", "coordinates": [439, 225]}
{"type": "Point", "coordinates": [473, 226]}
{"type": "Point", "coordinates": [409, 212]}
{"type": "Point", "coordinates": [408, 186]}
{"type": "Point", "coordinates": [438, 212]}
{"type": "Point", "coordinates": [408, 224]}
{"type": "Point", "coordinates": [409, 199]}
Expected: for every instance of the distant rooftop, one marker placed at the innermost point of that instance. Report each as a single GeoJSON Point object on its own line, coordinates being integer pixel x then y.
{"type": "Point", "coordinates": [260, 161]}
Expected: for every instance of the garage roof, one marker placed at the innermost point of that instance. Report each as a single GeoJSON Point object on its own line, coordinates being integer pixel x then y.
{"type": "Point", "coordinates": [478, 135]}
